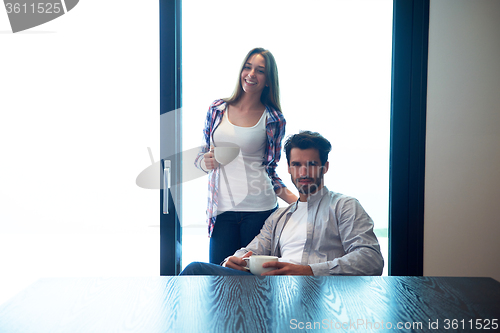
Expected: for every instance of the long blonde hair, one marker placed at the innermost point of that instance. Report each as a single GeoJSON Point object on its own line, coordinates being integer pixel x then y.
{"type": "Point", "coordinates": [271, 94]}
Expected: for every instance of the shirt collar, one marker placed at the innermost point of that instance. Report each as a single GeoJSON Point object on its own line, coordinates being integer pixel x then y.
{"type": "Point", "coordinates": [273, 115]}
{"type": "Point", "coordinates": [221, 106]}
{"type": "Point", "coordinates": [312, 199]}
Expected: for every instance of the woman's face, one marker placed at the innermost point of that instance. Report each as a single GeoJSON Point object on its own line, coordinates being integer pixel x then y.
{"type": "Point", "coordinates": [253, 75]}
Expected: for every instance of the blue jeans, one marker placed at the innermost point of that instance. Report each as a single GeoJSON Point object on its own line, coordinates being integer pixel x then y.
{"type": "Point", "coordinates": [234, 230]}
{"type": "Point", "coordinates": [203, 268]}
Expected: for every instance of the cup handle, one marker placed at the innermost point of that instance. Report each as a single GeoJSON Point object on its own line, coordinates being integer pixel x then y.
{"type": "Point", "coordinates": [246, 259]}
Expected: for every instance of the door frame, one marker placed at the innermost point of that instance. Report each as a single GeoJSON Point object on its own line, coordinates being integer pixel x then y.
{"type": "Point", "coordinates": [407, 147]}
{"type": "Point", "coordinates": [170, 133]}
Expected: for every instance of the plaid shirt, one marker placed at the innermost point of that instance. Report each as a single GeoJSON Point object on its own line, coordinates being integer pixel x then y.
{"type": "Point", "coordinates": [275, 129]}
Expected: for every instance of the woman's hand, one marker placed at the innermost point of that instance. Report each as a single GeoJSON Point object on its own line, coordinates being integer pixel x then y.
{"type": "Point", "coordinates": [209, 159]}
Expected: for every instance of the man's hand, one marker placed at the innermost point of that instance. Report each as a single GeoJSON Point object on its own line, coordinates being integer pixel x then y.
{"type": "Point", "coordinates": [286, 268]}
{"type": "Point", "coordinates": [238, 263]}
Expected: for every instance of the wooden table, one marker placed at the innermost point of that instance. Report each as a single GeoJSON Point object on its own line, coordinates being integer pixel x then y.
{"type": "Point", "coordinates": [255, 304]}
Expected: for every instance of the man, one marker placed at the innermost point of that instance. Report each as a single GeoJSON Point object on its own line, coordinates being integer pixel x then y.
{"type": "Point", "coordinates": [323, 233]}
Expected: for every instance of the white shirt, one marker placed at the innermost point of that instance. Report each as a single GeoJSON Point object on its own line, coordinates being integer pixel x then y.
{"type": "Point", "coordinates": [340, 238]}
{"type": "Point", "coordinates": [293, 237]}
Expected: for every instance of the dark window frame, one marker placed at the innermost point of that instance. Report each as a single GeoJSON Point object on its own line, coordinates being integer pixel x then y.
{"type": "Point", "coordinates": [171, 135]}
{"type": "Point", "coordinates": [407, 152]}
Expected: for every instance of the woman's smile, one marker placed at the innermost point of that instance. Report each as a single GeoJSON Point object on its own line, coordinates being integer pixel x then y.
{"type": "Point", "coordinates": [253, 77]}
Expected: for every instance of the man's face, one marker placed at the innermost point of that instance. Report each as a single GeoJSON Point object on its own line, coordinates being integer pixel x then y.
{"type": "Point", "coordinates": [306, 171]}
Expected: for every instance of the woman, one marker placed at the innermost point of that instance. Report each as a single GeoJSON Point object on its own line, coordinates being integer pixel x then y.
{"type": "Point", "coordinates": [244, 196]}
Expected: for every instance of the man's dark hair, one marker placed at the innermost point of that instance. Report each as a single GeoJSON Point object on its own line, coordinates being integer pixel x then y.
{"type": "Point", "coordinates": [306, 140]}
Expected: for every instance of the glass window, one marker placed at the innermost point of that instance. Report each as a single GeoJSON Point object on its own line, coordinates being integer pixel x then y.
{"type": "Point", "coordinates": [334, 62]}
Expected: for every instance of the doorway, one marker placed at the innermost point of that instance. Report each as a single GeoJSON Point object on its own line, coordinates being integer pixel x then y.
{"type": "Point", "coordinates": [334, 62]}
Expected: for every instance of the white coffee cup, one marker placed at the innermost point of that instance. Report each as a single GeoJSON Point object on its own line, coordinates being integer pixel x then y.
{"type": "Point", "coordinates": [224, 155]}
{"type": "Point", "coordinates": [254, 263]}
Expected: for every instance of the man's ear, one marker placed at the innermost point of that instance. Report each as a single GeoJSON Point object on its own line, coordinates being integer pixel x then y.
{"type": "Point", "coordinates": [325, 167]}
{"type": "Point", "coordinates": [289, 169]}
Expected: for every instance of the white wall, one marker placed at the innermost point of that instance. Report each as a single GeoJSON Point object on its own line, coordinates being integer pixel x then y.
{"type": "Point", "coordinates": [462, 195]}
{"type": "Point", "coordinates": [79, 105]}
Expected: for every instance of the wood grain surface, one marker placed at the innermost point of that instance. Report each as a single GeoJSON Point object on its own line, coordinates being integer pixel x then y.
{"type": "Point", "coordinates": [254, 304]}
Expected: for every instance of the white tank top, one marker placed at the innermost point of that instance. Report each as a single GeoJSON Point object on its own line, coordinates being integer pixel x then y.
{"type": "Point", "coordinates": [244, 184]}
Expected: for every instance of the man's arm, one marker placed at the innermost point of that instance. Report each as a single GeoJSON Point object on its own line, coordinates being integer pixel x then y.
{"type": "Point", "coordinates": [286, 268]}
{"type": "Point", "coordinates": [360, 244]}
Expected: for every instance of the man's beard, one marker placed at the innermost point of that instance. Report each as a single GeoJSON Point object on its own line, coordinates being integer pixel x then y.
{"type": "Point", "coordinates": [309, 188]}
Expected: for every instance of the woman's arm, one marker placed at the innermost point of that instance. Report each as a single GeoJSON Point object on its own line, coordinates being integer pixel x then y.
{"type": "Point", "coordinates": [207, 131]}
{"type": "Point", "coordinates": [285, 194]}
{"type": "Point", "coordinates": [275, 136]}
